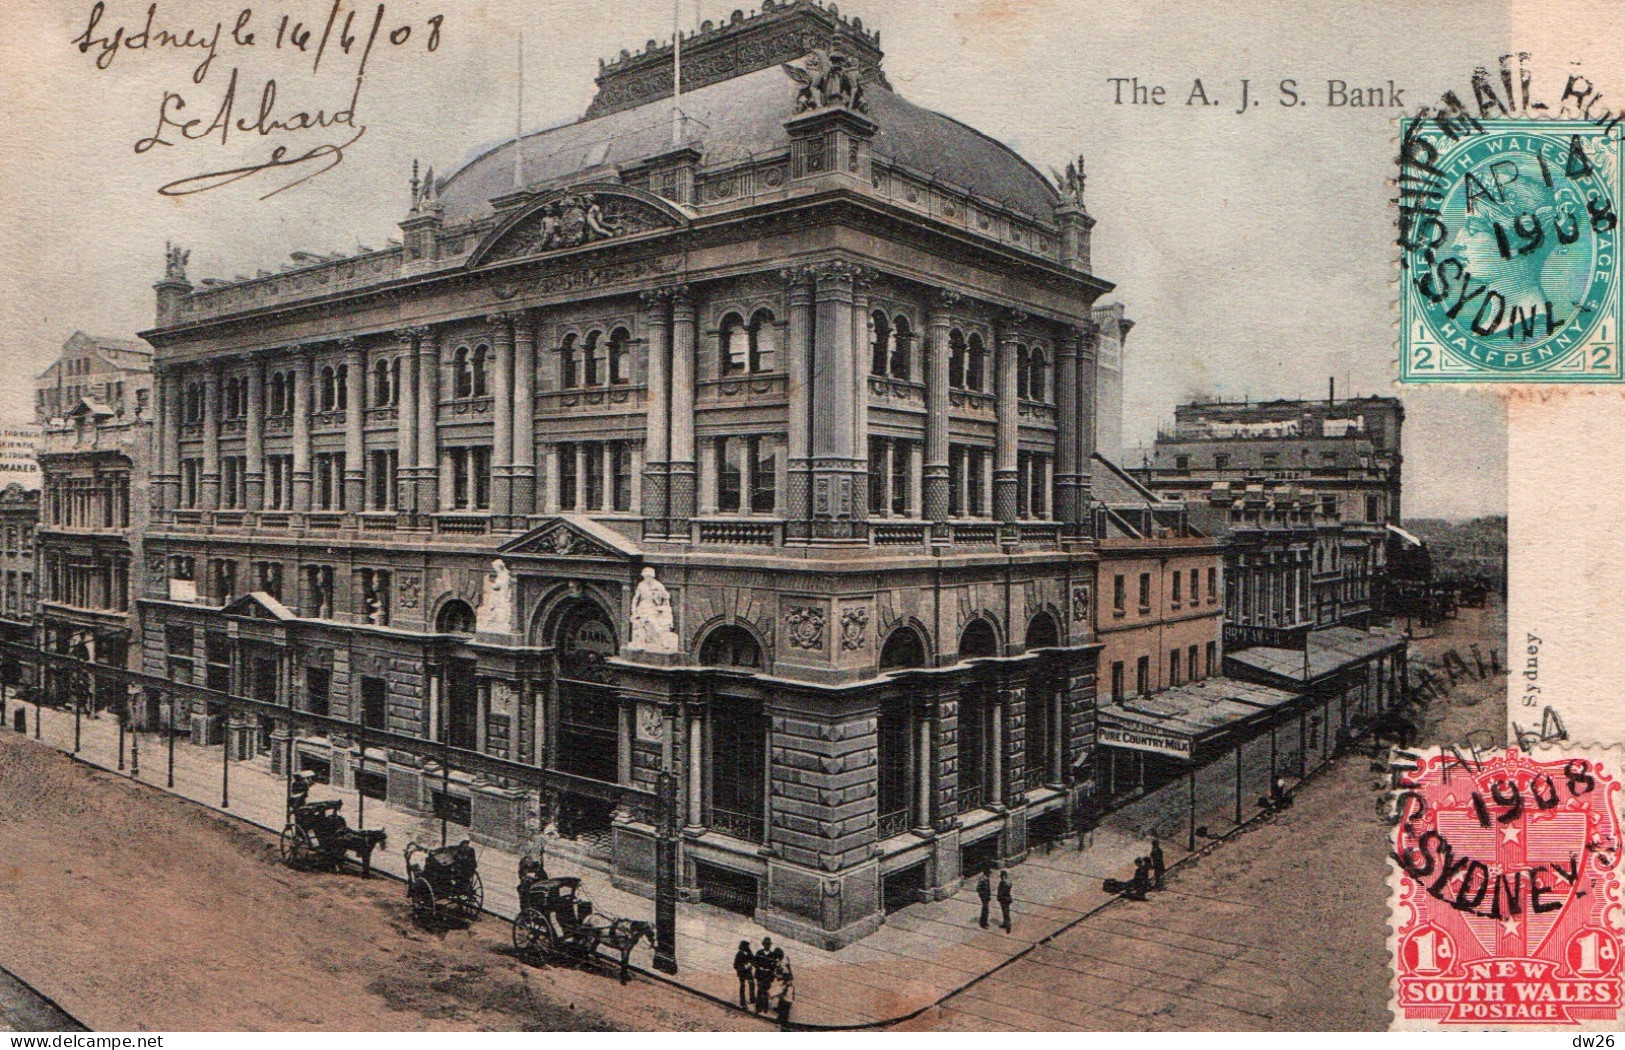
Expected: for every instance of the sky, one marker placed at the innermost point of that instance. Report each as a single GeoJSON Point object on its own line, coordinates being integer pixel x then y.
{"type": "Point", "coordinates": [1254, 251]}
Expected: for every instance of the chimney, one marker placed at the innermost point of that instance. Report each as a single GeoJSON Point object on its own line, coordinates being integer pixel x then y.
{"type": "Point", "coordinates": [1331, 389]}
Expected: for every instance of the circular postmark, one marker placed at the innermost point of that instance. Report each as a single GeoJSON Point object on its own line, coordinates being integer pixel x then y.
{"type": "Point", "coordinates": [1515, 267]}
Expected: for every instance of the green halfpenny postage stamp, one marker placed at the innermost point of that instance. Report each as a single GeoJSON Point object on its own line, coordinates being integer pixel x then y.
{"type": "Point", "coordinates": [1509, 252]}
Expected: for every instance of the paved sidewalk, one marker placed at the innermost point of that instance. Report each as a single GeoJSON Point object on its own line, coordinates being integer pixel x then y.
{"type": "Point", "coordinates": [920, 955]}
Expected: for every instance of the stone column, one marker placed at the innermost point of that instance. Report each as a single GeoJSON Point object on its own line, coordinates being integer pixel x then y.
{"type": "Point", "coordinates": [524, 419]}
{"type": "Point", "coordinates": [710, 466]}
{"type": "Point", "coordinates": [657, 454]}
{"type": "Point", "coordinates": [355, 464]}
{"type": "Point", "coordinates": [680, 493]}
{"type": "Point", "coordinates": [502, 418]}
{"type": "Point", "coordinates": [915, 480]}
{"type": "Point", "coordinates": [550, 501]}
{"type": "Point", "coordinates": [1066, 509]}
{"type": "Point", "coordinates": [924, 768]}
{"type": "Point", "coordinates": [301, 430]}
{"type": "Point", "coordinates": [935, 482]}
{"type": "Point", "coordinates": [839, 464]}
{"type": "Point", "coordinates": [428, 419]}
{"type": "Point", "coordinates": [211, 438]}
{"type": "Point", "coordinates": [798, 390]}
{"type": "Point", "coordinates": [580, 502]}
{"type": "Point", "coordinates": [1088, 363]}
{"type": "Point", "coordinates": [1007, 435]}
{"type": "Point", "coordinates": [635, 469]}
{"type": "Point", "coordinates": [406, 425]}
{"type": "Point", "coordinates": [862, 339]}
{"type": "Point", "coordinates": [1001, 703]}
{"type": "Point", "coordinates": [696, 767]}
{"type": "Point", "coordinates": [168, 394]}
{"type": "Point", "coordinates": [254, 473]}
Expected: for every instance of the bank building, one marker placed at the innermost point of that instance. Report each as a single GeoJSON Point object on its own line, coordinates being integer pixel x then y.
{"type": "Point", "coordinates": [751, 444]}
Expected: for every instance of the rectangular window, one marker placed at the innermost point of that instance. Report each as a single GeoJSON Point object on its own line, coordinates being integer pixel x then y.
{"type": "Point", "coordinates": [877, 475]}
{"type": "Point", "coordinates": [1117, 680]}
{"type": "Point", "coordinates": [1176, 596]}
{"type": "Point", "coordinates": [374, 702]}
{"type": "Point", "coordinates": [595, 476]}
{"type": "Point", "coordinates": [1173, 667]}
{"type": "Point", "coordinates": [1142, 675]}
{"type": "Point", "coordinates": [382, 485]}
{"type": "Point", "coordinates": [1196, 586]}
{"type": "Point", "coordinates": [459, 479]}
{"type": "Point", "coordinates": [317, 681]}
{"type": "Point", "coordinates": [270, 578]}
{"type": "Point", "coordinates": [729, 473]}
{"type": "Point", "coordinates": [1145, 592]}
{"type": "Point", "coordinates": [178, 640]}
{"type": "Point", "coordinates": [1040, 486]}
{"type": "Point", "coordinates": [620, 479]}
{"type": "Point", "coordinates": [217, 655]}
{"type": "Point", "coordinates": [567, 476]}
{"type": "Point", "coordinates": [1212, 658]}
{"type": "Point", "coordinates": [764, 479]}
{"type": "Point", "coordinates": [1212, 585]}
{"type": "Point", "coordinates": [480, 465]}
{"type": "Point", "coordinates": [1119, 595]}
{"type": "Point", "coordinates": [1190, 664]}
{"type": "Point", "coordinates": [1221, 461]}
{"type": "Point", "coordinates": [956, 479]}
{"type": "Point", "coordinates": [225, 580]}
{"type": "Point", "coordinates": [977, 472]}
{"type": "Point", "coordinates": [1024, 481]}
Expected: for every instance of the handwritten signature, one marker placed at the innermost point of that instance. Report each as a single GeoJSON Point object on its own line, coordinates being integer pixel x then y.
{"type": "Point", "coordinates": [175, 126]}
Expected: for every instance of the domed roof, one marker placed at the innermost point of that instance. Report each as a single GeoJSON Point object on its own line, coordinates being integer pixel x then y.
{"type": "Point", "coordinates": [741, 117]}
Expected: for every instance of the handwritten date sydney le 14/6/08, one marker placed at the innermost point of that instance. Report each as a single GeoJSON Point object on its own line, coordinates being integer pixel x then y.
{"type": "Point", "coordinates": [1245, 95]}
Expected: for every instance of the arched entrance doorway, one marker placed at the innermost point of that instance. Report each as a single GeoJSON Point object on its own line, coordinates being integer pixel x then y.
{"type": "Point", "coordinates": [462, 725]}
{"type": "Point", "coordinates": [588, 716]}
{"type": "Point", "coordinates": [1042, 763]}
{"type": "Point", "coordinates": [978, 639]}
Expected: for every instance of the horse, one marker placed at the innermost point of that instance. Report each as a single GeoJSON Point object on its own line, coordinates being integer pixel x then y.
{"type": "Point", "coordinates": [623, 935]}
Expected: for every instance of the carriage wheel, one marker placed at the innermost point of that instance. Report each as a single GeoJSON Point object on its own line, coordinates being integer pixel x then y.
{"type": "Point", "coordinates": [532, 933]}
{"type": "Point", "coordinates": [474, 898]}
{"type": "Point", "coordinates": [421, 894]}
{"type": "Point", "coordinates": [296, 848]}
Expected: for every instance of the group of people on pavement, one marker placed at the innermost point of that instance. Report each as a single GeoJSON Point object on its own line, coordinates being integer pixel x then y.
{"type": "Point", "coordinates": [985, 891]}
{"type": "Point", "coordinates": [766, 982]}
{"type": "Point", "coordinates": [1149, 872]}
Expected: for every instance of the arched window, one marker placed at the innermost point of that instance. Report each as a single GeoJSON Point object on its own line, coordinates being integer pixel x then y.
{"type": "Point", "coordinates": [590, 359]}
{"type": "Point", "coordinates": [569, 367]}
{"type": "Point", "coordinates": [456, 617]}
{"type": "Point", "coordinates": [764, 344]}
{"type": "Point", "coordinates": [1024, 362]}
{"type": "Point", "coordinates": [978, 639]}
{"type": "Point", "coordinates": [341, 387]}
{"type": "Point", "coordinates": [730, 646]}
{"type": "Point", "coordinates": [902, 340]}
{"type": "Point", "coordinates": [903, 649]}
{"type": "Point", "coordinates": [1038, 375]}
{"type": "Point", "coordinates": [381, 384]}
{"type": "Point", "coordinates": [976, 363]}
{"type": "Point", "coordinates": [880, 345]}
{"type": "Point", "coordinates": [618, 370]}
{"type": "Point", "coordinates": [481, 354]}
{"type": "Point", "coordinates": [462, 374]}
{"type": "Point", "coordinates": [733, 346]}
{"type": "Point", "coordinates": [328, 389]}
{"type": "Point", "coordinates": [1042, 632]}
{"type": "Point", "coordinates": [956, 359]}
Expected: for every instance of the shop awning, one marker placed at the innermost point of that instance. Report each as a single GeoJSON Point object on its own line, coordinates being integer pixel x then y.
{"type": "Point", "coordinates": [1329, 651]}
{"type": "Point", "coordinates": [1175, 722]}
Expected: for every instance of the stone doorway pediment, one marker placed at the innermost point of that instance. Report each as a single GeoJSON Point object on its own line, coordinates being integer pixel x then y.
{"type": "Point", "coordinates": [573, 536]}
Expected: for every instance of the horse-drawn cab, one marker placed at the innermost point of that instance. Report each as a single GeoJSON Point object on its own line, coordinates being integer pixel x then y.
{"type": "Point", "coordinates": [443, 883]}
{"type": "Point", "coordinates": [554, 921]}
{"type": "Point", "coordinates": [318, 836]}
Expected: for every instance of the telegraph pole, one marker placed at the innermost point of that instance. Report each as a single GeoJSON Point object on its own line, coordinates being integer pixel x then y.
{"type": "Point", "coordinates": [666, 876]}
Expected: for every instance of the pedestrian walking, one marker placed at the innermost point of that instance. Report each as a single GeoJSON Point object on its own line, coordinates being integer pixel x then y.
{"type": "Point", "coordinates": [766, 966]}
{"type": "Point", "coordinates": [1084, 814]}
{"type": "Point", "coordinates": [1142, 878]}
{"type": "Point", "coordinates": [984, 890]}
{"type": "Point", "coordinates": [784, 991]}
{"type": "Point", "coordinates": [1005, 897]}
{"type": "Point", "coordinates": [1159, 866]}
{"type": "Point", "coordinates": [745, 969]}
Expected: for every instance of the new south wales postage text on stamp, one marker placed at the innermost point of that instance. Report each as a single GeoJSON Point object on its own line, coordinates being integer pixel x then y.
{"type": "Point", "coordinates": [1510, 256]}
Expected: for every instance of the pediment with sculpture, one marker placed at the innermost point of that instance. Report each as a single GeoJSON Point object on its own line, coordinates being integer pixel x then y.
{"type": "Point", "coordinates": [559, 220]}
{"type": "Point", "coordinates": [571, 537]}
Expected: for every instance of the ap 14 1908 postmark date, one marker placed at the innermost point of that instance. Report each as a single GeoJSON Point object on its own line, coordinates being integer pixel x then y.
{"type": "Point", "coordinates": [1510, 265]}
{"type": "Point", "coordinates": [1506, 905]}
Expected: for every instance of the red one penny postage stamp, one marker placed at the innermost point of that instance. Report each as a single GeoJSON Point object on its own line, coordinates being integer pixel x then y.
{"type": "Point", "coordinates": [1506, 902]}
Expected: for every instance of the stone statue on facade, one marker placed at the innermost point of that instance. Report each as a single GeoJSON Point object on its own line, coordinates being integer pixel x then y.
{"type": "Point", "coordinates": [826, 80]}
{"type": "Point", "coordinates": [495, 614]}
{"type": "Point", "coordinates": [653, 625]}
{"type": "Point", "coordinates": [175, 259]}
{"type": "Point", "coordinates": [1071, 181]}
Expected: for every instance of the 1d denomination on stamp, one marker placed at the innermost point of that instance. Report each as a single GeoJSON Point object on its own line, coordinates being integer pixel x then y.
{"type": "Point", "coordinates": [1510, 252]}
{"type": "Point", "coordinates": [1506, 890]}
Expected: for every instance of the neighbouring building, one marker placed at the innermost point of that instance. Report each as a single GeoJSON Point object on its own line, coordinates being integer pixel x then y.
{"type": "Point", "coordinates": [19, 456]}
{"type": "Point", "coordinates": [1110, 368]}
{"type": "Point", "coordinates": [19, 518]}
{"type": "Point", "coordinates": [757, 454]}
{"type": "Point", "coordinates": [95, 478]}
